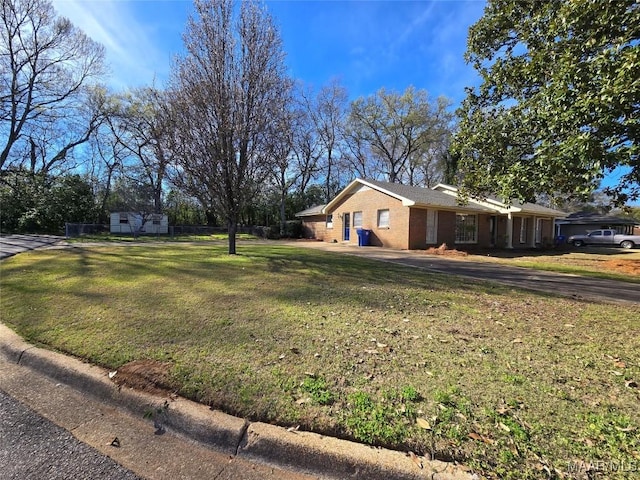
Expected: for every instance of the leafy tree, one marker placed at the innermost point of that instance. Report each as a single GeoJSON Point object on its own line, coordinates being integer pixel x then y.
{"type": "Point", "coordinates": [558, 107]}
{"type": "Point", "coordinates": [226, 90]}
{"type": "Point", "coordinates": [129, 195]}
{"type": "Point", "coordinates": [40, 203]}
{"type": "Point", "coordinates": [183, 210]}
{"type": "Point", "coordinates": [49, 99]}
{"type": "Point", "coordinates": [402, 134]}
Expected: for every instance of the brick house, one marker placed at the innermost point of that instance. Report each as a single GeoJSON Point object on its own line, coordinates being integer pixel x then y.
{"type": "Point", "coordinates": [410, 218]}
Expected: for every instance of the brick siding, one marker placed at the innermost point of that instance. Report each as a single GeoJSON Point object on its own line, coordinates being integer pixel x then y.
{"type": "Point", "coordinates": [314, 226]}
{"type": "Point", "coordinates": [369, 202]}
{"type": "Point", "coordinates": [408, 226]}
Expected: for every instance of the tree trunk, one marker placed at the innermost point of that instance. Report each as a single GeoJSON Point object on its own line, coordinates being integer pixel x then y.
{"type": "Point", "coordinates": [232, 229]}
{"type": "Point", "coordinates": [283, 214]}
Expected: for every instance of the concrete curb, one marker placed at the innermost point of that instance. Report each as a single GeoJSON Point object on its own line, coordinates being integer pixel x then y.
{"type": "Point", "coordinates": [326, 457]}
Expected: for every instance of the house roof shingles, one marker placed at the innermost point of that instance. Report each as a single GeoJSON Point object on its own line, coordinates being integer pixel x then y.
{"type": "Point", "coordinates": [422, 196]}
{"type": "Point", "coordinates": [442, 196]}
{"type": "Point", "coordinates": [410, 196]}
{"type": "Point", "coordinates": [311, 211]}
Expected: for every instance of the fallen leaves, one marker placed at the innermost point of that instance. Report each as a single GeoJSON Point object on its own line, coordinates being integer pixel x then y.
{"type": "Point", "coordinates": [423, 423]}
{"type": "Point", "coordinates": [504, 427]}
{"type": "Point", "coordinates": [481, 438]}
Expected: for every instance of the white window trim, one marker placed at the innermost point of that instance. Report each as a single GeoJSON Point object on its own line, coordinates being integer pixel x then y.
{"type": "Point", "coordinates": [388, 225]}
{"type": "Point", "coordinates": [475, 232]}
{"type": "Point", "coordinates": [523, 230]}
{"type": "Point", "coordinates": [354, 219]}
{"type": "Point", "coordinates": [329, 220]}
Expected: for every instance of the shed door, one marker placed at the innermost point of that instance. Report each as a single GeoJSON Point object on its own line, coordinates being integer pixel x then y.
{"type": "Point", "coordinates": [432, 227]}
{"type": "Point", "coordinates": [346, 221]}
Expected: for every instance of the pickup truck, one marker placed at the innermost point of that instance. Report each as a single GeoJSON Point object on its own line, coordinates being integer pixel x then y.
{"type": "Point", "coordinates": [605, 237]}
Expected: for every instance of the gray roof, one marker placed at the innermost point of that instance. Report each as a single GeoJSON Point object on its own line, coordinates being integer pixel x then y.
{"type": "Point", "coordinates": [311, 211]}
{"type": "Point", "coordinates": [424, 196]}
{"type": "Point", "coordinates": [431, 197]}
{"type": "Point", "coordinates": [537, 209]}
{"type": "Point", "coordinates": [591, 219]}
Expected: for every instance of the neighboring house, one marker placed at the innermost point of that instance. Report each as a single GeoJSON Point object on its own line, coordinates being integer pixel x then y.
{"type": "Point", "coordinates": [314, 224]}
{"type": "Point", "coordinates": [582, 222]}
{"type": "Point", "coordinates": [405, 217]}
{"type": "Point", "coordinates": [130, 222]}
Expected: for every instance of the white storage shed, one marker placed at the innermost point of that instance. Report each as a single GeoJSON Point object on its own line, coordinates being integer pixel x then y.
{"type": "Point", "coordinates": [131, 222]}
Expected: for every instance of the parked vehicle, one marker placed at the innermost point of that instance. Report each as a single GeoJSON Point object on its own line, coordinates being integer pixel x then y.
{"type": "Point", "coordinates": [605, 237]}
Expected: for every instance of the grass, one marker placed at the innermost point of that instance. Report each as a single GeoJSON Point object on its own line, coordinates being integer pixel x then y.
{"type": "Point", "coordinates": [512, 384]}
{"type": "Point", "coordinates": [129, 238]}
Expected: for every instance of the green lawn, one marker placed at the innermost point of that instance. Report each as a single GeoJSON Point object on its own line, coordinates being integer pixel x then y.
{"type": "Point", "coordinates": [512, 384]}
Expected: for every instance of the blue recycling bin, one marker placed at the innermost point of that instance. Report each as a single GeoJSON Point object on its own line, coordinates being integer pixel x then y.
{"type": "Point", "coordinates": [364, 237]}
{"type": "Point", "coordinates": [560, 239]}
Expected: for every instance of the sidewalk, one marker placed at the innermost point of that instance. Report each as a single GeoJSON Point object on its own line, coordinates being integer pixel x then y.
{"type": "Point", "coordinates": [165, 437]}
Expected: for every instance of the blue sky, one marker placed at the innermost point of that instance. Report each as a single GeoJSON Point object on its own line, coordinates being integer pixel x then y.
{"type": "Point", "coordinates": [366, 45]}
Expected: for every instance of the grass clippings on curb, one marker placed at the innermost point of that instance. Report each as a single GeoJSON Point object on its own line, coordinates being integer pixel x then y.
{"type": "Point", "coordinates": [512, 384]}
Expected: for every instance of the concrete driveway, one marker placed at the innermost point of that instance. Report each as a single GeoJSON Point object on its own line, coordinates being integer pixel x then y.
{"type": "Point", "coordinates": [573, 286]}
{"type": "Point", "coordinates": [13, 244]}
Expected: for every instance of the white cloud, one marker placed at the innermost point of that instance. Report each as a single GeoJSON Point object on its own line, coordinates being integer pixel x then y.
{"type": "Point", "coordinates": [132, 44]}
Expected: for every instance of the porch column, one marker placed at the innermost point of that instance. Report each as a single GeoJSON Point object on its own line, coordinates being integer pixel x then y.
{"type": "Point", "coordinates": [509, 230]}
{"type": "Point", "coordinates": [534, 232]}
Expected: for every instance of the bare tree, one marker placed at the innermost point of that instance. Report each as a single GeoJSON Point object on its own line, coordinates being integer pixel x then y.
{"type": "Point", "coordinates": [139, 126]}
{"type": "Point", "coordinates": [281, 147]}
{"type": "Point", "coordinates": [226, 91]}
{"type": "Point", "coordinates": [49, 103]}
{"type": "Point", "coordinates": [401, 132]}
{"type": "Point", "coordinates": [327, 110]}
{"type": "Point", "coordinates": [107, 156]}
{"type": "Point", "coordinates": [307, 148]}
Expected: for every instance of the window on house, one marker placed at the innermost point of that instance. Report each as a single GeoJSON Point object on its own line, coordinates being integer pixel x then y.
{"type": "Point", "coordinates": [466, 228]}
{"type": "Point", "coordinates": [330, 220]}
{"type": "Point", "coordinates": [383, 218]}
{"type": "Point", "coordinates": [156, 221]}
{"type": "Point", "coordinates": [124, 218]}
{"type": "Point", "coordinates": [523, 230]}
{"type": "Point", "coordinates": [357, 219]}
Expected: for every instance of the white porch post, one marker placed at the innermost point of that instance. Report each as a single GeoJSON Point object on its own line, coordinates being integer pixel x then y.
{"type": "Point", "coordinates": [509, 230]}
{"type": "Point", "coordinates": [534, 231]}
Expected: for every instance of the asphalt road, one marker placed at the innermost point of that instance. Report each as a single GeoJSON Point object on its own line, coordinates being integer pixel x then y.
{"type": "Point", "coordinates": [13, 244]}
{"type": "Point", "coordinates": [31, 447]}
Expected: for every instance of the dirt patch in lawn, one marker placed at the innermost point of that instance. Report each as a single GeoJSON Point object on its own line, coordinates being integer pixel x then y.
{"type": "Point", "coordinates": [632, 267]}
{"type": "Point", "coordinates": [147, 375]}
